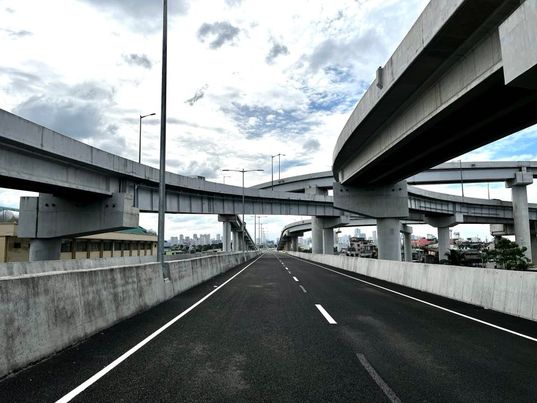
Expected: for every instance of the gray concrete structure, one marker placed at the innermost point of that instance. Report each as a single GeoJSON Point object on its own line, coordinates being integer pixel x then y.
{"type": "Point", "coordinates": [406, 230]}
{"type": "Point", "coordinates": [35, 158]}
{"type": "Point", "coordinates": [48, 312]}
{"type": "Point", "coordinates": [443, 92]}
{"type": "Point", "coordinates": [389, 239]}
{"type": "Point", "coordinates": [316, 235]}
{"type": "Point", "coordinates": [519, 196]}
{"type": "Point", "coordinates": [446, 173]}
{"type": "Point", "coordinates": [226, 236]}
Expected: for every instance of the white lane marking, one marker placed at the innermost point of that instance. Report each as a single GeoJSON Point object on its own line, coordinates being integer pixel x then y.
{"type": "Point", "coordinates": [80, 388]}
{"type": "Point", "coordinates": [294, 278]}
{"type": "Point", "coordinates": [326, 314]}
{"type": "Point", "coordinates": [428, 303]}
{"type": "Point", "coordinates": [378, 380]}
{"type": "Point", "coordinates": [303, 289]}
{"type": "Point", "coordinates": [286, 268]}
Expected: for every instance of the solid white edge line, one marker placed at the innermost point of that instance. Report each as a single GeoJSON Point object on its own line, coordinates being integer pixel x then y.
{"type": "Point", "coordinates": [294, 278]}
{"type": "Point", "coordinates": [302, 288]}
{"type": "Point", "coordinates": [90, 381]}
{"type": "Point", "coordinates": [425, 302]}
{"type": "Point", "coordinates": [326, 315]}
{"type": "Point", "coordinates": [390, 394]}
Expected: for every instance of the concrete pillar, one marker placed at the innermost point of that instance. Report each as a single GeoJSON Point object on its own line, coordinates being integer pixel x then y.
{"type": "Point", "coordinates": [389, 240]}
{"type": "Point", "coordinates": [521, 218]}
{"type": "Point", "coordinates": [226, 236]}
{"type": "Point", "coordinates": [443, 242]}
{"type": "Point", "coordinates": [407, 246]}
{"type": "Point", "coordinates": [45, 249]}
{"type": "Point", "coordinates": [294, 244]}
{"type": "Point", "coordinates": [235, 241]}
{"type": "Point", "coordinates": [328, 241]}
{"type": "Point", "coordinates": [316, 235]}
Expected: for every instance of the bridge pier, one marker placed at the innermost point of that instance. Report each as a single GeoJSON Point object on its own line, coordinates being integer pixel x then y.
{"type": "Point", "coordinates": [235, 245]}
{"type": "Point", "coordinates": [294, 244]}
{"type": "Point", "coordinates": [386, 203]}
{"type": "Point", "coordinates": [328, 241]}
{"type": "Point", "coordinates": [521, 217]}
{"type": "Point", "coordinates": [47, 219]}
{"type": "Point", "coordinates": [406, 230]}
{"type": "Point", "coordinates": [316, 235]}
{"type": "Point", "coordinates": [45, 249]}
{"type": "Point", "coordinates": [389, 239]}
{"type": "Point", "coordinates": [442, 224]}
{"type": "Point", "coordinates": [226, 236]}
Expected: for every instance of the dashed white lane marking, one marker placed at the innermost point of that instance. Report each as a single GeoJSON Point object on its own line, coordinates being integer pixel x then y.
{"type": "Point", "coordinates": [294, 278]}
{"type": "Point", "coordinates": [326, 314]}
{"type": "Point", "coordinates": [427, 303]}
{"type": "Point", "coordinates": [80, 388]}
{"type": "Point", "coordinates": [303, 289]}
{"type": "Point", "coordinates": [378, 380]}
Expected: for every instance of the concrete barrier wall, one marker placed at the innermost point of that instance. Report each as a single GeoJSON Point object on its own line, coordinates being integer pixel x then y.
{"type": "Point", "coordinates": [19, 268]}
{"type": "Point", "coordinates": [511, 292]}
{"type": "Point", "coordinates": [41, 314]}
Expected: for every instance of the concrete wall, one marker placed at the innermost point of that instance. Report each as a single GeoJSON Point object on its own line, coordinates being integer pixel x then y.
{"type": "Point", "coordinates": [44, 313]}
{"type": "Point", "coordinates": [511, 292]}
{"type": "Point", "coordinates": [20, 268]}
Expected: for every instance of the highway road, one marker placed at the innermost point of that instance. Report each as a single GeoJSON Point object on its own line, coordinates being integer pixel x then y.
{"type": "Point", "coordinates": [286, 330]}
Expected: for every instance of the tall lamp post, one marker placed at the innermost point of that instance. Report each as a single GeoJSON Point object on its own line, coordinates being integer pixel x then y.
{"type": "Point", "coordinates": [162, 172]}
{"type": "Point", "coordinates": [243, 171]}
{"type": "Point", "coordinates": [272, 167]}
{"type": "Point", "coordinates": [140, 137]}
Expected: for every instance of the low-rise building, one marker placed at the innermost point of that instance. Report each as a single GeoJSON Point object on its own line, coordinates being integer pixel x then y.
{"type": "Point", "coordinates": [130, 242]}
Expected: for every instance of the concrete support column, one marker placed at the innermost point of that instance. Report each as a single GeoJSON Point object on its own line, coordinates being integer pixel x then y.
{"type": "Point", "coordinates": [534, 245]}
{"type": "Point", "coordinates": [328, 241]}
{"type": "Point", "coordinates": [226, 236]}
{"type": "Point", "coordinates": [316, 235]}
{"type": "Point", "coordinates": [235, 241]}
{"type": "Point", "coordinates": [407, 246]}
{"type": "Point", "coordinates": [443, 242]}
{"type": "Point", "coordinates": [389, 240]}
{"type": "Point", "coordinates": [45, 249]}
{"type": "Point", "coordinates": [294, 244]}
{"type": "Point", "coordinates": [521, 218]}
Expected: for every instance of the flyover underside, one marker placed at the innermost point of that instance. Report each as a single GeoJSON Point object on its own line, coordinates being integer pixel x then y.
{"type": "Point", "coordinates": [486, 113]}
{"type": "Point", "coordinates": [189, 202]}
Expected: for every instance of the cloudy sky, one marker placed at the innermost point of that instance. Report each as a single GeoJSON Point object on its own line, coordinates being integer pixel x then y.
{"type": "Point", "coordinates": [246, 79]}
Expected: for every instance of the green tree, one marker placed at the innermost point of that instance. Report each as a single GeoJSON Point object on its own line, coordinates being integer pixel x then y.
{"type": "Point", "coordinates": [507, 255]}
{"type": "Point", "coordinates": [454, 257]}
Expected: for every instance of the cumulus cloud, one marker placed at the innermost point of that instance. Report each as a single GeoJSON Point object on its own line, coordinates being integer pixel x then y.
{"type": "Point", "coordinates": [220, 32]}
{"type": "Point", "coordinates": [139, 15]}
{"type": "Point", "coordinates": [138, 60]}
{"type": "Point", "coordinates": [333, 51]}
{"type": "Point", "coordinates": [276, 50]}
{"type": "Point", "coordinates": [77, 111]}
{"type": "Point", "coordinates": [311, 145]}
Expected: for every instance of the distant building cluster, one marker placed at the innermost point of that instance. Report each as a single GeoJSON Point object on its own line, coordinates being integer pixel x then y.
{"type": "Point", "coordinates": [195, 240]}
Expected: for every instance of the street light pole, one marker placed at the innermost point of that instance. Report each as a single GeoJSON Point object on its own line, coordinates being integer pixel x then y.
{"type": "Point", "coordinates": [272, 167]}
{"type": "Point", "coordinates": [243, 227]}
{"type": "Point", "coordinates": [162, 173]}
{"type": "Point", "coordinates": [140, 137]}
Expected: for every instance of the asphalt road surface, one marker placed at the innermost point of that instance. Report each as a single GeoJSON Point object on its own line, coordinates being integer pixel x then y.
{"type": "Point", "coordinates": [280, 329]}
